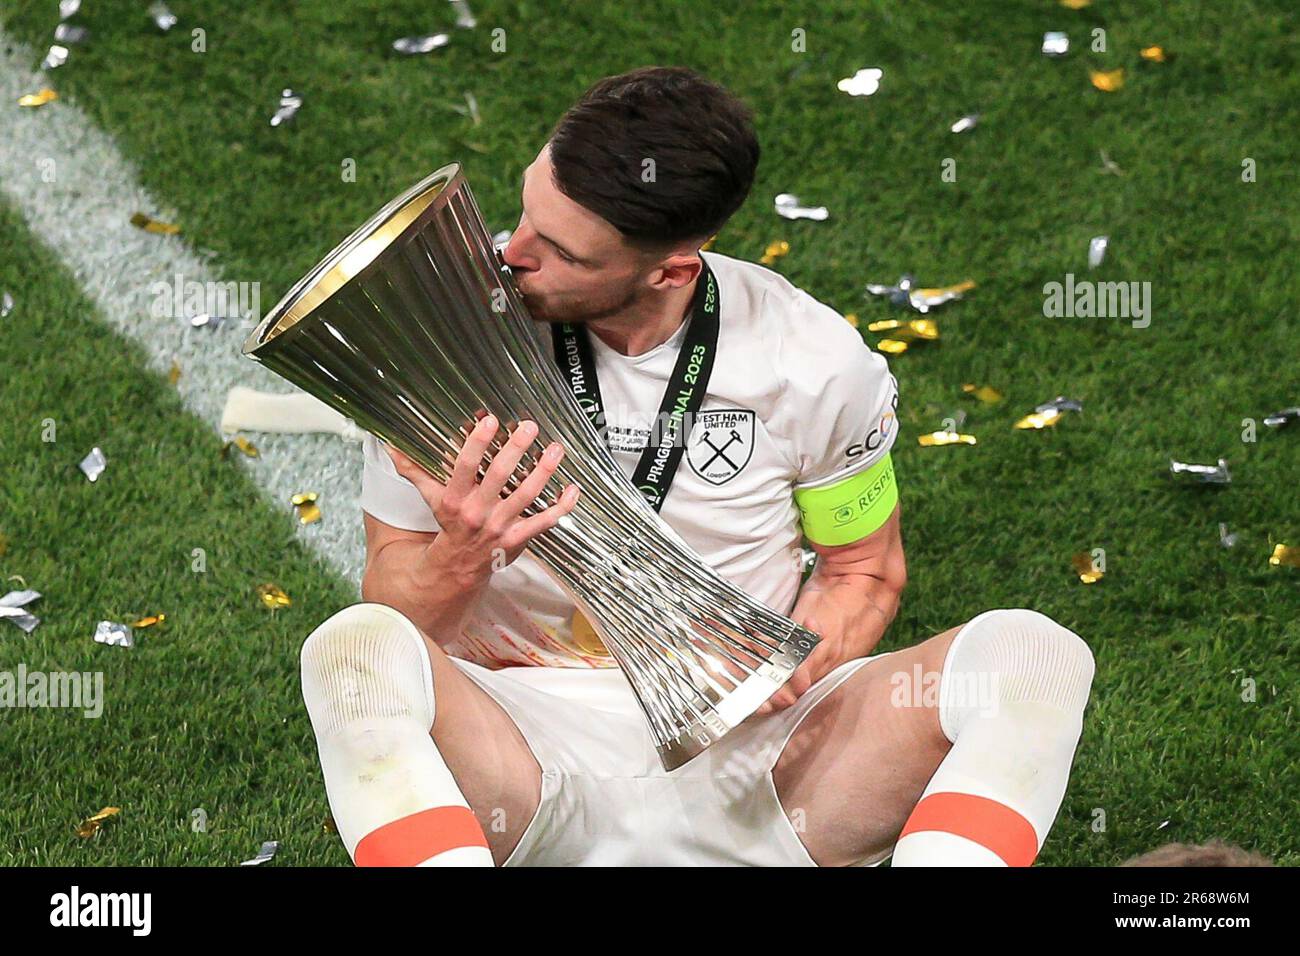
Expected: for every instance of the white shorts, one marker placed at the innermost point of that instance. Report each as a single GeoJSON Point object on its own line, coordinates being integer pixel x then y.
{"type": "Point", "coordinates": [607, 800]}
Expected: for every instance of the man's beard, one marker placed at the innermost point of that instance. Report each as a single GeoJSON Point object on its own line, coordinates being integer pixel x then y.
{"type": "Point", "coordinates": [578, 311]}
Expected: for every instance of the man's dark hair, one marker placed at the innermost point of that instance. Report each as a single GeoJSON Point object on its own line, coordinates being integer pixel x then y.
{"type": "Point", "coordinates": [700, 137]}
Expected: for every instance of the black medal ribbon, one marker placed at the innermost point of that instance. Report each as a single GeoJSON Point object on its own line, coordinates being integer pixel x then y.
{"type": "Point", "coordinates": [682, 400]}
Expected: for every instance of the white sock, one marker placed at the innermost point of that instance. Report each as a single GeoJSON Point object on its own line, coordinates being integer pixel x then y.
{"type": "Point", "coordinates": [368, 685]}
{"type": "Point", "coordinates": [1011, 700]}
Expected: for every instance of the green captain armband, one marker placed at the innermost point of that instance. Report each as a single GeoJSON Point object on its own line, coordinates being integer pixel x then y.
{"type": "Point", "coordinates": [850, 509]}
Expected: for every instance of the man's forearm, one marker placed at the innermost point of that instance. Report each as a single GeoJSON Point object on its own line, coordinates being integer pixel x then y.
{"type": "Point", "coordinates": [406, 576]}
{"type": "Point", "coordinates": [856, 609]}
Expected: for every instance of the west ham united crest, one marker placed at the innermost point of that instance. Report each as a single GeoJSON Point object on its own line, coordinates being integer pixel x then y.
{"type": "Point", "coordinates": [721, 444]}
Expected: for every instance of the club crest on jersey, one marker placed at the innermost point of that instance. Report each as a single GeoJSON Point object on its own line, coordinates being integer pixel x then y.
{"type": "Point", "coordinates": [721, 443]}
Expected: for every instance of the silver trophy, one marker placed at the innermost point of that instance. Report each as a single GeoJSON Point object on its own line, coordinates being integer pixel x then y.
{"type": "Point", "coordinates": [412, 328]}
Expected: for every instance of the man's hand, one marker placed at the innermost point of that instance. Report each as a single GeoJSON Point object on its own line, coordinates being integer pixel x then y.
{"type": "Point", "coordinates": [849, 601]}
{"type": "Point", "coordinates": [477, 523]}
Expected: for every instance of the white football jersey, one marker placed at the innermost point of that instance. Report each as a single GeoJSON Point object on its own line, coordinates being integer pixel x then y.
{"type": "Point", "coordinates": [796, 399]}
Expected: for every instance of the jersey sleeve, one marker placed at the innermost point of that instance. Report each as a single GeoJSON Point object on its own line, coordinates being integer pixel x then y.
{"type": "Point", "coordinates": [388, 496]}
{"type": "Point", "coordinates": [847, 401]}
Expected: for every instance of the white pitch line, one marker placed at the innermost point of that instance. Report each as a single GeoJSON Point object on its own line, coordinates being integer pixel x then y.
{"type": "Point", "coordinates": [84, 217]}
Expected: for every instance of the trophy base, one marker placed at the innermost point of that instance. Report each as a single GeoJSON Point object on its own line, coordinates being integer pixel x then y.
{"type": "Point", "coordinates": [728, 713]}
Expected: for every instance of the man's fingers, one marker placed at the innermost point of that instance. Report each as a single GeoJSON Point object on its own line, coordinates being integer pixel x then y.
{"type": "Point", "coordinates": [464, 475]}
{"type": "Point", "coordinates": [430, 490]}
{"type": "Point", "coordinates": [524, 530]}
{"type": "Point", "coordinates": [799, 681]}
{"type": "Point", "coordinates": [505, 461]}
{"type": "Point", "coordinates": [531, 487]}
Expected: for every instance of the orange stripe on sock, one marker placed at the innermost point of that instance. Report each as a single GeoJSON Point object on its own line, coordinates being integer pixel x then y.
{"type": "Point", "coordinates": [415, 838]}
{"type": "Point", "coordinates": [992, 825]}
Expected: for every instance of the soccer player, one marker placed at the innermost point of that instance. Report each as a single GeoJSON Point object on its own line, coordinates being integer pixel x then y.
{"type": "Point", "coordinates": [466, 714]}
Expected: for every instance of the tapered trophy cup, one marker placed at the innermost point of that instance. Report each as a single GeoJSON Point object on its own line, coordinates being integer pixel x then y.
{"type": "Point", "coordinates": [413, 328]}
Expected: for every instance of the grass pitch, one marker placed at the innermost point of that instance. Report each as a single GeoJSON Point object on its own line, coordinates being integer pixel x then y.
{"type": "Point", "coordinates": [205, 712]}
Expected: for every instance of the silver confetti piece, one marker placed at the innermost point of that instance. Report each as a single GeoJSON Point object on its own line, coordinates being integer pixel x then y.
{"type": "Point", "coordinates": [898, 294]}
{"type": "Point", "coordinates": [1055, 44]}
{"type": "Point", "coordinates": [6, 304]}
{"type": "Point", "coordinates": [789, 207]}
{"type": "Point", "coordinates": [966, 122]}
{"type": "Point", "coordinates": [464, 16]}
{"type": "Point", "coordinates": [906, 295]}
{"type": "Point", "coordinates": [1060, 404]}
{"type": "Point", "coordinates": [68, 8]}
{"type": "Point", "coordinates": [94, 464]}
{"type": "Point", "coordinates": [267, 852]}
{"type": "Point", "coordinates": [862, 83]}
{"type": "Point", "coordinates": [290, 103]}
{"type": "Point", "coordinates": [1205, 474]}
{"type": "Point", "coordinates": [57, 56]}
{"type": "Point", "coordinates": [1225, 539]}
{"type": "Point", "coordinates": [160, 14]}
{"type": "Point", "coordinates": [502, 239]}
{"type": "Point", "coordinates": [413, 46]}
{"type": "Point", "coordinates": [67, 33]}
{"type": "Point", "coordinates": [1277, 420]}
{"type": "Point", "coordinates": [113, 634]}
{"type": "Point", "coordinates": [13, 608]}
{"type": "Point", "coordinates": [1097, 250]}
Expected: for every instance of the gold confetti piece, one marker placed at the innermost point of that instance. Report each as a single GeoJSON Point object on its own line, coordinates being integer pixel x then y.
{"type": "Point", "coordinates": [1108, 81]}
{"type": "Point", "coordinates": [1088, 571]}
{"type": "Point", "coordinates": [90, 826]}
{"type": "Point", "coordinates": [4, 544]}
{"type": "Point", "coordinates": [709, 244]}
{"type": "Point", "coordinates": [937, 439]}
{"type": "Point", "coordinates": [1043, 419]}
{"type": "Point", "coordinates": [1283, 555]}
{"type": "Point", "coordinates": [149, 224]}
{"type": "Point", "coordinates": [243, 444]}
{"type": "Point", "coordinates": [926, 329]}
{"type": "Point", "coordinates": [1153, 53]}
{"type": "Point", "coordinates": [774, 251]}
{"type": "Point", "coordinates": [150, 621]}
{"type": "Point", "coordinates": [174, 373]}
{"type": "Point", "coordinates": [852, 319]}
{"type": "Point", "coordinates": [273, 597]}
{"type": "Point", "coordinates": [1076, 4]}
{"type": "Point", "coordinates": [328, 825]}
{"type": "Point", "coordinates": [984, 393]}
{"type": "Point", "coordinates": [892, 346]}
{"type": "Point", "coordinates": [308, 510]}
{"type": "Point", "coordinates": [40, 98]}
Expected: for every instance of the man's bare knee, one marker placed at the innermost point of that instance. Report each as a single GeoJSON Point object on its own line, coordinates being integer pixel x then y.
{"type": "Point", "coordinates": [486, 753]}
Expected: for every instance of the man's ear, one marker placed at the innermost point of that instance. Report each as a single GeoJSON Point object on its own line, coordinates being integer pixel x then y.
{"type": "Point", "coordinates": [678, 270]}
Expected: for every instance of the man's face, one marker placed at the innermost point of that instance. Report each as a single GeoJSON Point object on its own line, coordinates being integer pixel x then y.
{"type": "Point", "coordinates": [569, 264]}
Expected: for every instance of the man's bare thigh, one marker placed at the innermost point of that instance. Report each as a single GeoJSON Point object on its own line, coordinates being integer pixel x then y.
{"type": "Point", "coordinates": [857, 763]}
{"type": "Point", "coordinates": [486, 753]}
